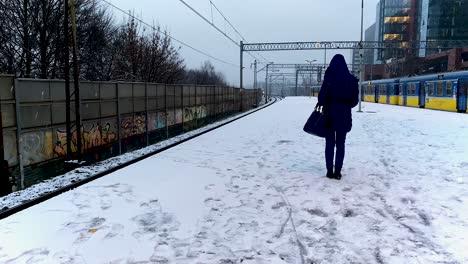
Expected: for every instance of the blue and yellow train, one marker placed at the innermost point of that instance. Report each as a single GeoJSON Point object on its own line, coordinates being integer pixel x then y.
{"type": "Point", "coordinates": [445, 91]}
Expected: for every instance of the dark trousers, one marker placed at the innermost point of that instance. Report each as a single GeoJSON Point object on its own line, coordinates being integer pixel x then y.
{"type": "Point", "coordinates": [333, 139]}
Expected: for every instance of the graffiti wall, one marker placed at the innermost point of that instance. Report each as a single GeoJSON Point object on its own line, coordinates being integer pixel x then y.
{"type": "Point", "coordinates": [156, 121]}
{"type": "Point", "coordinates": [43, 135]}
{"type": "Point", "coordinates": [36, 147]}
{"type": "Point", "coordinates": [170, 118]}
{"type": "Point", "coordinates": [178, 116]}
{"type": "Point", "coordinates": [93, 135]}
{"type": "Point", "coordinates": [193, 113]}
{"type": "Point", "coordinates": [133, 125]}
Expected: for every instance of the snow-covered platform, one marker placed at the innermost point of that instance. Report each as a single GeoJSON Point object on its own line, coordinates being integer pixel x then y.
{"type": "Point", "coordinates": [254, 191]}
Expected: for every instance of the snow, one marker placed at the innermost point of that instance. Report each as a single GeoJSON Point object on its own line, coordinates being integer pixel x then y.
{"type": "Point", "coordinates": [254, 191]}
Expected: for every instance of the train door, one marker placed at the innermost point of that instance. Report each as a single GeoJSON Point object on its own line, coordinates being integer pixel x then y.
{"type": "Point", "coordinates": [389, 92]}
{"type": "Point", "coordinates": [422, 94]}
{"type": "Point", "coordinates": [404, 93]}
{"type": "Point", "coordinates": [395, 94]}
{"type": "Point", "coordinates": [377, 93]}
{"type": "Point", "coordinates": [462, 92]}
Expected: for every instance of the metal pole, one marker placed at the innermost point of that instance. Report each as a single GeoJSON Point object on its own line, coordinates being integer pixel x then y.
{"type": "Point", "coordinates": [118, 117]}
{"type": "Point", "coordinates": [76, 81]}
{"type": "Point", "coordinates": [66, 59]}
{"type": "Point", "coordinates": [19, 140]}
{"type": "Point", "coordinates": [310, 76]}
{"type": "Point", "coordinates": [266, 84]}
{"type": "Point", "coordinates": [241, 64]}
{"type": "Point", "coordinates": [282, 87]}
{"type": "Point", "coordinates": [325, 60]}
{"type": "Point", "coordinates": [297, 76]}
{"type": "Point", "coordinates": [361, 55]}
{"type": "Point", "coordinates": [255, 83]}
{"type": "Point", "coordinates": [255, 74]}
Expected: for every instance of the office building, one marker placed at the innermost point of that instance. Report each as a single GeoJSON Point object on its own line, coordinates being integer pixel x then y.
{"type": "Point", "coordinates": [443, 20]}
{"type": "Point", "coordinates": [397, 20]}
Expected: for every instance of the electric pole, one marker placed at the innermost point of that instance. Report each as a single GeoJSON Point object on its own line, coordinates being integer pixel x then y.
{"type": "Point", "coordinates": [76, 81]}
{"type": "Point", "coordinates": [66, 61]}
{"type": "Point", "coordinates": [361, 54]}
{"type": "Point", "coordinates": [266, 84]}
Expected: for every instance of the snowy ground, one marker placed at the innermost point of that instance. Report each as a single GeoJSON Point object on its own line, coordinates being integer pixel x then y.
{"type": "Point", "coordinates": [255, 192]}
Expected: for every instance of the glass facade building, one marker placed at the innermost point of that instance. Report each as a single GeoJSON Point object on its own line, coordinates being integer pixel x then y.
{"type": "Point", "coordinates": [443, 20]}
{"type": "Point", "coordinates": [397, 22]}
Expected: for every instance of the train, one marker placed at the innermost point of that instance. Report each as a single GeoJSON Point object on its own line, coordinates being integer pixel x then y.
{"type": "Point", "coordinates": [444, 91]}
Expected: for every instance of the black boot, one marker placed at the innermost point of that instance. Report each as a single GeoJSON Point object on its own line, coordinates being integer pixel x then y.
{"type": "Point", "coordinates": [330, 175]}
{"type": "Point", "coordinates": [337, 175]}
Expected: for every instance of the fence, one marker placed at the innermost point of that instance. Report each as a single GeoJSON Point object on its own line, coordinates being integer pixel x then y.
{"type": "Point", "coordinates": [116, 118]}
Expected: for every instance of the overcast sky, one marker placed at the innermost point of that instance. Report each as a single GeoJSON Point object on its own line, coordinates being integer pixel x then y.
{"type": "Point", "coordinates": [257, 21]}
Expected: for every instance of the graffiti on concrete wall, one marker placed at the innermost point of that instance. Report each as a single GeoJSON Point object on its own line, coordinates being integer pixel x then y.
{"type": "Point", "coordinates": [9, 145]}
{"type": "Point", "coordinates": [156, 121]}
{"type": "Point", "coordinates": [170, 118]}
{"type": "Point", "coordinates": [36, 146]}
{"type": "Point", "coordinates": [178, 116]}
{"type": "Point", "coordinates": [161, 120]}
{"type": "Point", "coordinates": [94, 136]}
{"type": "Point", "coordinates": [133, 125]}
{"type": "Point", "coordinates": [194, 113]}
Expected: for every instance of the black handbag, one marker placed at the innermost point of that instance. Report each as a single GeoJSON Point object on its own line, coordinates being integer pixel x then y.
{"type": "Point", "coordinates": [317, 123]}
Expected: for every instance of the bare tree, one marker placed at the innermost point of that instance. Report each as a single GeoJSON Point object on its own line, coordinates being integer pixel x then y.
{"type": "Point", "coordinates": [32, 43]}
{"type": "Point", "coordinates": [206, 75]}
{"type": "Point", "coordinates": [148, 57]}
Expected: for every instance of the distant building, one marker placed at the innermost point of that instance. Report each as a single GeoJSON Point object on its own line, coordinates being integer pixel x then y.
{"type": "Point", "coordinates": [443, 20]}
{"type": "Point", "coordinates": [397, 20]}
{"type": "Point", "coordinates": [419, 20]}
{"type": "Point", "coordinates": [370, 36]}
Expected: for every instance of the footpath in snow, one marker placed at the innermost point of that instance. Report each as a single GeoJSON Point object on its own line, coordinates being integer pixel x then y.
{"type": "Point", "coordinates": [254, 191]}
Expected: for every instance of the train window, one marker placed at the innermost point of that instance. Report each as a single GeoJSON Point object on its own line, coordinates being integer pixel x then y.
{"type": "Point", "coordinates": [410, 90]}
{"type": "Point", "coordinates": [431, 89]}
{"type": "Point", "coordinates": [440, 89]}
{"type": "Point", "coordinates": [414, 89]}
{"type": "Point", "coordinates": [382, 90]}
{"type": "Point", "coordinates": [449, 89]}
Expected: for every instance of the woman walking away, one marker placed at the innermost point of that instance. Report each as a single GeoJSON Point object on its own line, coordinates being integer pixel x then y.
{"type": "Point", "coordinates": [339, 93]}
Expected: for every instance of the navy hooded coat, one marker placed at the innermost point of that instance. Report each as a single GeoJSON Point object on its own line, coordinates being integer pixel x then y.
{"type": "Point", "coordinates": [339, 93]}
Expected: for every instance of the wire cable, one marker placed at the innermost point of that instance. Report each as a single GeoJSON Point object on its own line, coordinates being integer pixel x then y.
{"type": "Point", "coordinates": [169, 36]}
{"type": "Point", "coordinates": [207, 21]}
{"type": "Point", "coordinates": [216, 27]}
{"type": "Point", "coordinates": [235, 29]}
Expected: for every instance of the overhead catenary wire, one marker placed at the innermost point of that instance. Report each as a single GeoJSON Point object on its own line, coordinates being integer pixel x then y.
{"type": "Point", "coordinates": [211, 23]}
{"type": "Point", "coordinates": [234, 28]}
{"type": "Point", "coordinates": [216, 27]}
{"type": "Point", "coordinates": [169, 36]}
